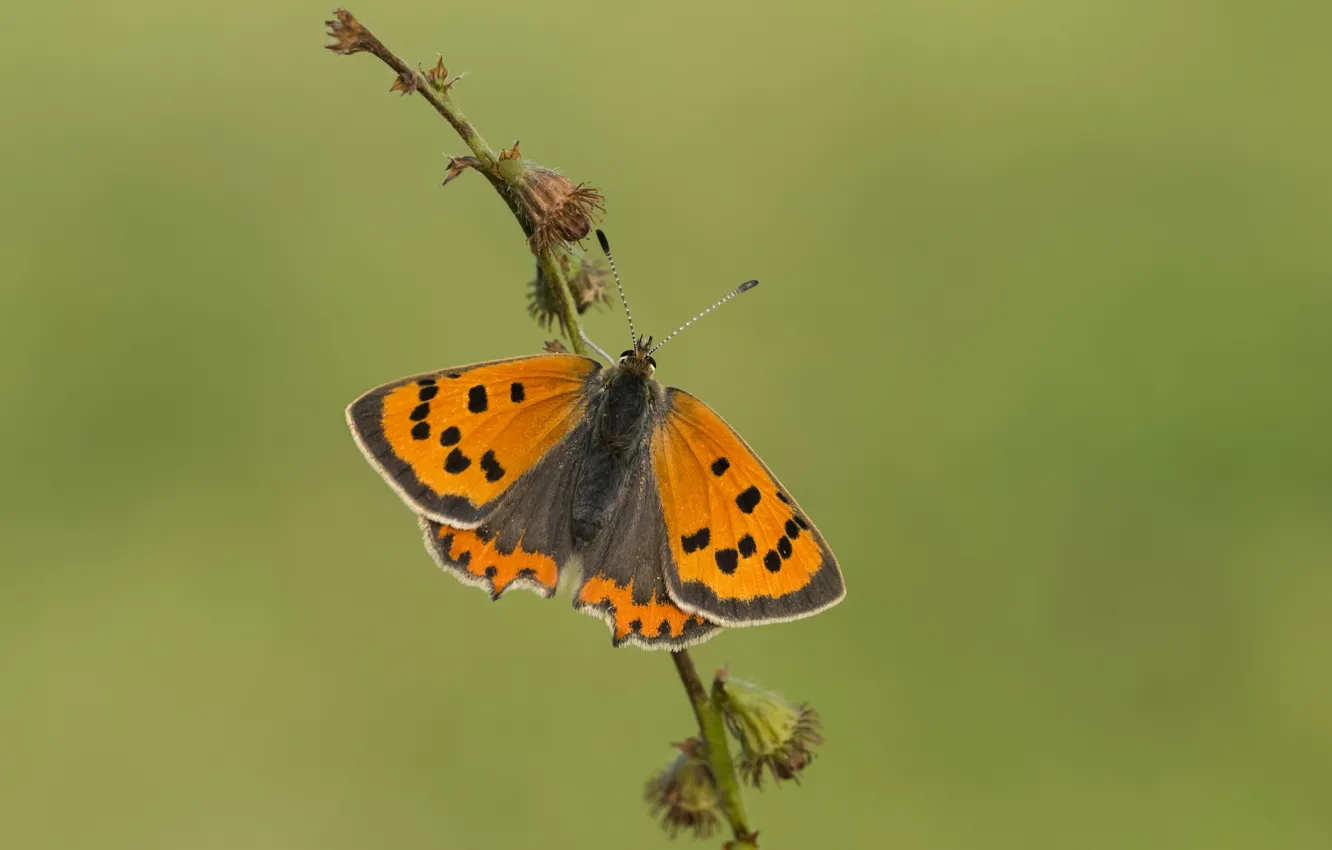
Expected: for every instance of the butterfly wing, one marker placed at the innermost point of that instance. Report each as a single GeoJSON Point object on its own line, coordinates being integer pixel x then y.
{"type": "Point", "coordinates": [452, 443]}
{"type": "Point", "coordinates": [741, 551]}
{"type": "Point", "coordinates": [623, 581]}
{"type": "Point", "coordinates": [527, 538]}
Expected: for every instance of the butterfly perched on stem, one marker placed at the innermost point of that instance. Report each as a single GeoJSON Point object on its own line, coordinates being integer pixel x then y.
{"type": "Point", "coordinates": [519, 469]}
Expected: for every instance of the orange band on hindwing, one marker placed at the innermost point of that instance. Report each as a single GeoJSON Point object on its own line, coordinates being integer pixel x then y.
{"type": "Point", "coordinates": [654, 620]}
{"type": "Point", "coordinates": [474, 558]}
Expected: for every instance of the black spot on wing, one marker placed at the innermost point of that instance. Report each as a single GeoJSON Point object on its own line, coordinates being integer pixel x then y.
{"type": "Point", "coordinates": [428, 392]}
{"type": "Point", "coordinates": [456, 462]}
{"type": "Point", "coordinates": [464, 558]}
{"type": "Point", "coordinates": [748, 500]}
{"type": "Point", "coordinates": [425, 382]}
{"type": "Point", "coordinates": [450, 436]}
{"type": "Point", "coordinates": [792, 530]}
{"type": "Point", "coordinates": [698, 540]}
{"type": "Point", "coordinates": [747, 547]}
{"type": "Point", "coordinates": [476, 399]}
{"type": "Point", "coordinates": [782, 497]}
{"type": "Point", "coordinates": [421, 411]}
{"type": "Point", "coordinates": [635, 625]}
{"type": "Point", "coordinates": [664, 629]}
{"type": "Point", "coordinates": [421, 431]}
{"type": "Point", "coordinates": [727, 560]}
{"type": "Point", "coordinates": [516, 393]}
{"type": "Point", "coordinates": [491, 571]}
{"type": "Point", "coordinates": [772, 561]}
{"type": "Point", "coordinates": [800, 521]}
{"type": "Point", "coordinates": [494, 471]}
{"type": "Point", "coordinates": [719, 466]}
{"type": "Point", "coordinates": [784, 547]}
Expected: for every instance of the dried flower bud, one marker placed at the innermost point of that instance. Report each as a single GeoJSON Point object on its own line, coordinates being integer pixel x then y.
{"type": "Point", "coordinates": [347, 33]}
{"type": "Point", "coordinates": [684, 796]}
{"type": "Point", "coordinates": [554, 346]}
{"type": "Point", "coordinates": [588, 281]}
{"type": "Point", "coordinates": [772, 732]}
{"type": "Point", "coordinates": [558, 211]}
{"type": "Point", "coordinates": [438, 77]}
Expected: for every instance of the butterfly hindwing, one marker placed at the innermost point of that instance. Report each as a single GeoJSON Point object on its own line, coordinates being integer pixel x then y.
{"type": "Point", "coordinates": [451, 443]}
{"type": "Point", "coordinates": [623, 581]}
{"type": "Point", "coordinates": [526, 540]}
{"type": "Point", "coordinates": [741, 552]}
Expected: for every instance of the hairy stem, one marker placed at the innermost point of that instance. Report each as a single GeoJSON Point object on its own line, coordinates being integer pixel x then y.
{"type": "Point", "coordinates": [353, 37]}
{"type": "Point", "coordinates": [713, 729]}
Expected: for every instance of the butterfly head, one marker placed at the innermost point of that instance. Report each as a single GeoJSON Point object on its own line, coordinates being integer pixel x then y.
{"type": "Point", "coordinates": [638, 360]}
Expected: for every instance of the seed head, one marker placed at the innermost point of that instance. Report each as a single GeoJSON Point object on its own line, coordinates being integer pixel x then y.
{"type": "Point", "coordinates": [773, 734]}
{"type": "Point", "coordinates": [684, 795]}
{"type": "Point", "coordinates": [588, 285]}
{"type": "Point", "coordinates": [558, 211]}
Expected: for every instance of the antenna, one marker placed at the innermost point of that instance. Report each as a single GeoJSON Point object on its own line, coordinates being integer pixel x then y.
{"type": "Point", "coordinates": [744, 287]}
{"type": "Point", "coordinates": [605, 247]}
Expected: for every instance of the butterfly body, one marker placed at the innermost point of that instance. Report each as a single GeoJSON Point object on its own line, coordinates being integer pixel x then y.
{"type": "Point", "coordinates": [523, 469]}
{"type": "Point", "coordinates": [621, 410]}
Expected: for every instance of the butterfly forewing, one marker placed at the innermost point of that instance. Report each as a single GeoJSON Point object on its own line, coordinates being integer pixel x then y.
{"type": "Point", "coordinates": [453, 442]}
{"type": "Point", "coordinates": [741, 551]}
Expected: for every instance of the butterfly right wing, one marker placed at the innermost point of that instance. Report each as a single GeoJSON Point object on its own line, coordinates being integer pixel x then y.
{"type": "Point", "coordinates": [742, 552]}
{"type": "Point", "coordinates": [452, 443]}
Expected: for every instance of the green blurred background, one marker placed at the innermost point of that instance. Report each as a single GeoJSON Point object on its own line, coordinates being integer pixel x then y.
{"type": "Point", "coordinates": [1042, 346]}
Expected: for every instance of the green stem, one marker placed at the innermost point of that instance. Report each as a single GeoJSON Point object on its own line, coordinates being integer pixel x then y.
{"type": "Point", "coordinates": [568, 315]}
{"type": "Point", "coordinates": [707, 709]}
{"type": "Point", "coordinates": [713, 729]}
{"type": "Point", "coordinates": [487, 160]}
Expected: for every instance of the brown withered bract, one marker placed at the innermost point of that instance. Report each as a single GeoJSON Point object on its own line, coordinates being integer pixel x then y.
{"type": "Point", "coordinates": [404, 83]}
{"type": "Point", "coordinates": [438, 75]}
{"type": "Point", "coordinates": [350, 36]}
{"type": "Point", "coordinates": [459, 164]}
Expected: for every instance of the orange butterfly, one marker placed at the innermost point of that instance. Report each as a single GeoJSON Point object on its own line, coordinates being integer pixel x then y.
{"type": "Point", "coordinates": [517, 467]}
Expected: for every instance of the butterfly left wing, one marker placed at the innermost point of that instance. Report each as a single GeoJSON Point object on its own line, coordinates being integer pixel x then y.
{"type": "Point", "coordinates": [452, 443]}
{"type": "Point", "coordinates": [527, 540]}
{"type": "Point", "coordinates": [741, 552]}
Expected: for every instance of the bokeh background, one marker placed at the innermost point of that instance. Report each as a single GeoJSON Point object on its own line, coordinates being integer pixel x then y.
{"type": "Point", "coordinates": [1043, 346]}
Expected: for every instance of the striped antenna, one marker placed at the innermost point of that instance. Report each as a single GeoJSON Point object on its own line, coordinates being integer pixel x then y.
{"type": "Point", "coordinates": [744, 287]}
{"type": "Point", "coordinates": [605, 248]}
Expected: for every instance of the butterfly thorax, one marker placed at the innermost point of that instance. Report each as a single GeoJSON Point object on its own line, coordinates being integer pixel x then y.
{"type": "Point", "coordinates": [622, 409]}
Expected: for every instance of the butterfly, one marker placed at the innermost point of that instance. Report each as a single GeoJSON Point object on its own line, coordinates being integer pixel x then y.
{"type": "Point", "coordinates": [523, 469]}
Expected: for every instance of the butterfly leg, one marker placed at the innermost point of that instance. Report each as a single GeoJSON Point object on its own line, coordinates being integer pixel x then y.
{"type": "Point", "coordinates": [604, 356]}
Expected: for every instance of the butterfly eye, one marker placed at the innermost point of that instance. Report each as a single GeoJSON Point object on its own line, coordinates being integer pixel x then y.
{"type": "Point", "coordinates": [626, 355]}
{"type": "Point", "coordinates": [652, 363]}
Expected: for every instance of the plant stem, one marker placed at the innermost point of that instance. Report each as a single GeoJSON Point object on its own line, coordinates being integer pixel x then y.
{"type": "Point", "coordinates": [713, 729]}
{"type": "Point", "coordinates": [353, 37]}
